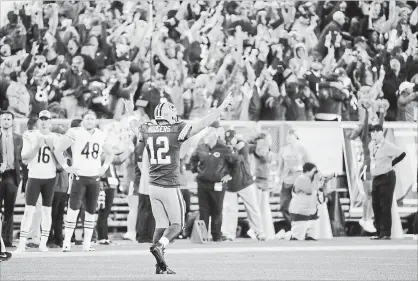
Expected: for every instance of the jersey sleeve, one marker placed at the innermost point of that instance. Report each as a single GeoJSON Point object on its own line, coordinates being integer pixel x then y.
{"type": "Point", "coordinates": [71, 133]}
{"type": "Point", "coordinates": [184, 130]}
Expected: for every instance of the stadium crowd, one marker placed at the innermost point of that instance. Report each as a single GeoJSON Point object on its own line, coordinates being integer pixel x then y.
{"type": "Point", "coordinates": [283, 60]}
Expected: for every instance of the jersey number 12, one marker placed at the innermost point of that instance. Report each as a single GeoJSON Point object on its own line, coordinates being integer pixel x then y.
{"type": "Point", "coordinates": [163, 146]}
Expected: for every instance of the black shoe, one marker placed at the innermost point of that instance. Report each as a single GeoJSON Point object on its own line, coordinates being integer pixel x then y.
{"type": "Point", "coordinates": [5, 256]}
{"type": "Point", "coordinates": [157, 250]}
{"type": "Point", "coordinates": [32, 245]}
{"type": "Point", "coordinates": [9, 245]}
{"type": "Point", "coordinates": [308, 238]}
{"type": "Point", "coordinates": [163, 270]}
{"type": "Point", "coordinates": [78, 242]}
{"type": "Point", "coordinates": [53, 246]}
{"type": "Point", "coordinates": [380, 237]}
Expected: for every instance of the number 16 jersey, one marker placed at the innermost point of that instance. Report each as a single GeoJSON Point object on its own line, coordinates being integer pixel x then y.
{"type": "Point", "coordinates": [163, 146]}
{"type": "Point", "coordinates": [43, 165]}
{"type": "Point", "coordinates": [86, 150]}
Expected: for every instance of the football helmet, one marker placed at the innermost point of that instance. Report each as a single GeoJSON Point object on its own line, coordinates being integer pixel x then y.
{"type": "Point", "coordinates": [166, 111]}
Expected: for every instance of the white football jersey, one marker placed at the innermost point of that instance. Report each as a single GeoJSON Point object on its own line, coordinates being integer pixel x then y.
{"type": "Point", "coordinates": [86, 150]}
{"type": "Point", "coordinates": [43, 165]}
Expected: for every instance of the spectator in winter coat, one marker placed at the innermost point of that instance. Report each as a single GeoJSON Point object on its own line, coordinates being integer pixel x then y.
{"type": "Point", "coordinates": [18, 95]}
{"type": "Point", "coordinates": [242, 185]}
{"type": "Point", "coordinates": [407, 102]}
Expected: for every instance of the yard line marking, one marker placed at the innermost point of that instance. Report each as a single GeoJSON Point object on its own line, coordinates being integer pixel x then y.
{"type": "Point", "coordinates": [223, 250]}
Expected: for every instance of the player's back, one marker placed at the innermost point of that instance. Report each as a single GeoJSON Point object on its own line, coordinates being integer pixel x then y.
{"type": "Point", "coordinates": [86, 150]}
{"type": "Point", "coordinates": [163, 143]}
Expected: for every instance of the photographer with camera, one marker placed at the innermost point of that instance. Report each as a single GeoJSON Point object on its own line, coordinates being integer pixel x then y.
{"type": "Point", "coordinates": [307, 195]}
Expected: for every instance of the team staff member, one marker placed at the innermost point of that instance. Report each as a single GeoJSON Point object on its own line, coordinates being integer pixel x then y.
{"type": "Point", "coordinates": [10, 164]}
{"type": "Point", "coordinates": [384, 156]}
{"type": "Point", "coordinates": [242, 185]}
{"type": "Point", "coordinates": [37, 152]}
{"type": "Point", "coordinates": [212, 161]}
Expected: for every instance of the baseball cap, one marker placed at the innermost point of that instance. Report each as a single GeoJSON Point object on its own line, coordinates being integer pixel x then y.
{"type": "Point", "coordinates": [44, 114]}
{"type": "Point", "coordinates": [406, 85]}
{"type": "Point", "coordinates": [229, 135]}
{"type": "Point", "coordinates": [376, 128]}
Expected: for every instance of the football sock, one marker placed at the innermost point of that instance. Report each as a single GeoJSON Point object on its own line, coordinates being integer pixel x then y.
{"type": "Point", "coordinates": [26, 224]}
{"type": "Point", "coordinates": [88, 229]}
{"type": "Point", "coordinates": [158, 233]}
{"type": "Point", "coordinates": [45, 224]}
{"type": "Point", "coordinates": [70, 223]}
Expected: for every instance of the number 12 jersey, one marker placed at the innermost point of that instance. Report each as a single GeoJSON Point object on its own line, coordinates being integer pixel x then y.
{"type": "Point", "coordinates": [163, 146]}
{"type": "Point", "coordinates": [86, 150]}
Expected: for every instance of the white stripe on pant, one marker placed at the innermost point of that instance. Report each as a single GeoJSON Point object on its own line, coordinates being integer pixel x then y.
{"type": "Point", "coordinates": [230, 211]}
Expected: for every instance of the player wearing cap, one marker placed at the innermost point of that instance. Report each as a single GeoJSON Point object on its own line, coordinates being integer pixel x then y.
{"type": "Point", "coordinates": [87, 145]}
{"type": "Point", "coordinates": [37, 152]}
{"type": "Point", "coordinates": [162, 138]}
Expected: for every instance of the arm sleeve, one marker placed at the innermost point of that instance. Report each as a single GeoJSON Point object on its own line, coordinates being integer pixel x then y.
{"type": "Point", "coordinates": [26, 146]}
{"type": "Point", "coordinates": [71, 133]}
{"type": "Point", "coordinates": [194, 159]}
{"type": "Point", "coordinates": [184, 131]}
{"type": "Point", "coordinates": [365, 130]}
{"type": "Point", "coordinates": [398, 159]}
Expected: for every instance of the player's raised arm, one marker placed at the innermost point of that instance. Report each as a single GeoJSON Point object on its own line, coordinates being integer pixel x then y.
{"type": "Point", "coordinates": [211, 117]}
{"type": "Point", "coordinates": [65, 142]}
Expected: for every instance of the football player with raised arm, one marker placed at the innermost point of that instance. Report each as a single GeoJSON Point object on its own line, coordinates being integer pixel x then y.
{"type": "Point", "coordinates": [162, 137]}
{"type": "Point", "coordinates": [87, 143]}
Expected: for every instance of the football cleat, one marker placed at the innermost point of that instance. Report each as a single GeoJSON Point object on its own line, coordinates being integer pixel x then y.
{"type": "Point", "coordinates": [43, 248]}
{"type": "Point", "coordinates": [157, 250]}
{"type": "Point", "coordinates": [5, 256]}
{"type": "Point", "coordinates": [66, 248]}
{"type": "Point", "coordinates": [163, 270]}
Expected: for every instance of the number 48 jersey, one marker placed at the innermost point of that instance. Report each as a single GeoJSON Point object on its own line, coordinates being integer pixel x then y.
{"type": "Point", "coordinates": [163, 146]}
{"type": "Point", "coordinates": [86, 150]}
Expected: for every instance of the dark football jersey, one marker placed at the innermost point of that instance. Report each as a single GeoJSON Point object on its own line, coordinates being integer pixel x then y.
{"type": "Point", "coordinates": [163, 146]}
